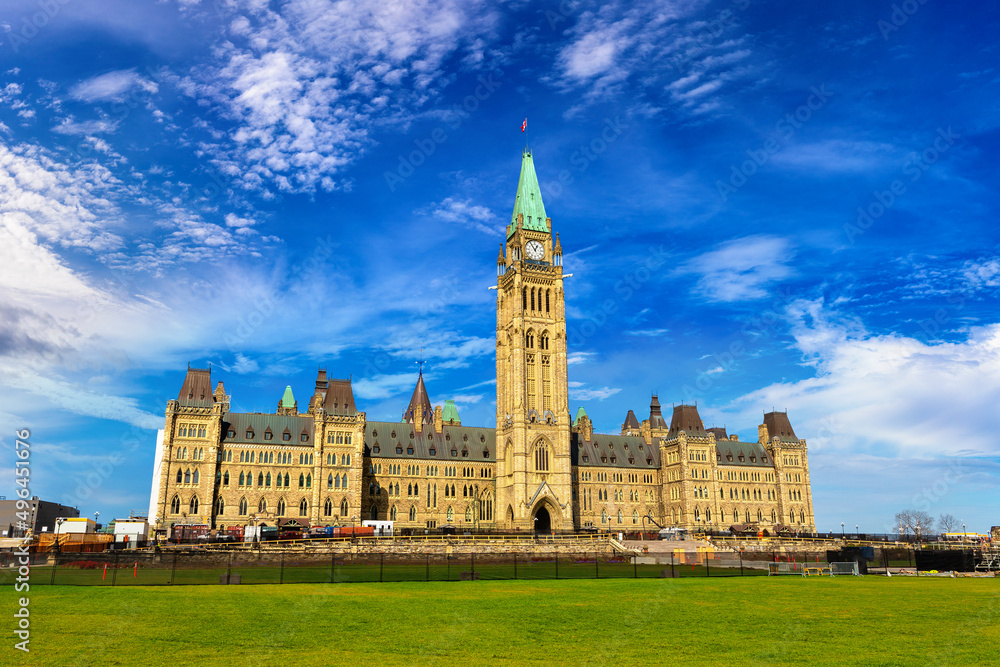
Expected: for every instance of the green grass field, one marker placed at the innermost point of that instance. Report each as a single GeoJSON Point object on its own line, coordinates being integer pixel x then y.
{"type": "Point", "coordinates": [762, 621]}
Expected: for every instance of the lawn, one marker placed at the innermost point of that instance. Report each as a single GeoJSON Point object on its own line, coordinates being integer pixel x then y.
{"type": "Point", "coordinates": [719, 621]}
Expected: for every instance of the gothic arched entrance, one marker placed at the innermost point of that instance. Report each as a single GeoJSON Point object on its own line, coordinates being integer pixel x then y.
{"type": "Point", "coordinates": [543, 522]}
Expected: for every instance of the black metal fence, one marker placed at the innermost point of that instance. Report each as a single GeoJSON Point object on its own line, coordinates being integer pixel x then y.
{"type": "Point", "coordinates": [179, 567]}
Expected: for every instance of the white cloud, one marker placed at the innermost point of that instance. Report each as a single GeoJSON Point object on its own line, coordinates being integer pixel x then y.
{"type": "Point", "coordinates": [305, 85]}
{"type": "Point", "coordinates": [72, 127]}
{"type": "Point", "coordinates": [111, 86]}
{"type": "Point", "coordinates": [641, 49]}
{"type": "Point", "coordinates": [741, 269]}
{"type": "Point", "coordinates": [579, 358]}
{"type": "Point", "coordinates": [594, 394]}
{"type": "Point", "coordinates": [385, 386]}
{"type": "Point", "coordinates": [465, 213]}
{"type": "Point", "coordinates": [888, 395]}
{"type": "Point", "coordinates": [650, 333]}
{"type": "Point", "coordinates": [982, 273]}
{"type": "Point", "coordinates": [837, 155]}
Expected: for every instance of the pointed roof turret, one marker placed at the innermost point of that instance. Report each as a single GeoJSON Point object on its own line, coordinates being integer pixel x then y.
{"type": "Point", "coordinates": [528, 201]}
{"type": "Point", "coordinates": [558, 248]}
{"type": "Point", "coordinates": [655, 415]}
{"type": "Point", "coordinates": [500, 259]}
{"type": "Point", "coordinates": [631, 421]}
{"type": "Point", "coordinates": [420, 398]}
{"type": "Point", "coordinates": [288, 400]}
{"type": "Point", "coordinates": [579, 413]}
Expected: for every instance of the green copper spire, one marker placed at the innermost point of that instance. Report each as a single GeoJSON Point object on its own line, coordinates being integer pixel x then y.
{"type": "Point", "coordinates": [529, 199]}
{"type": "Point", "coordinates": [579, 413]}
{"type": "Point", "coordinates": [450, 412]}
{"type": "Point", "coordinates": [288, 401]}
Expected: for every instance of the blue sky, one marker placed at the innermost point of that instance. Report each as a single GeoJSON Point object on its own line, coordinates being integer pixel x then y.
{"type": "Point", "coordinates": [764, 205]}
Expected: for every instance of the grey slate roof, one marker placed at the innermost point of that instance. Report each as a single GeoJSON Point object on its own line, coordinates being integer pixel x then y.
{"type": "Point", "coordinates": [618, 451]}
{"type": "Point", "coordinates": [778, 425]}
{"type": "Point", "coordinates": [753, 454]}
{"type": "Point", "coordinates": [401, 441]}
{"type": "Point", "coordinates": [240, 422]}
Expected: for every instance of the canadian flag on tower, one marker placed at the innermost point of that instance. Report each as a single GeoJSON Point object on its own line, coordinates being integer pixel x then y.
{"type": "Point", "coordinates": [524, 125]}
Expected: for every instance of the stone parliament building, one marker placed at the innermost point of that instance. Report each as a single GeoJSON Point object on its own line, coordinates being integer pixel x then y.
{"type": "Point", "coordinates": [538, 469]}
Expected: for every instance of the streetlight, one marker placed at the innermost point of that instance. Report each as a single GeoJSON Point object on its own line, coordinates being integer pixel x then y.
{"type": "Point", "coordinates": [59, 523]}
{"type": "Point", "coordinates": [963, 533]}
{"type": "Point", "coordinates": [856, 530]}
{"type": "Point", "coordinates": [96, 514]}
{"type": "Point", "coordinates": [841, 530]}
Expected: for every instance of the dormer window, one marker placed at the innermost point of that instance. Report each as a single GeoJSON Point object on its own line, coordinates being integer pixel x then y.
{"type": "Point", "coordinates": [586, 458]}
{"type": "Point", "coordinates": [286, 436]}
{"type": "Point", "coordinates": [409, 450]}
{"type": "Point", "coordinates": [393, 434]}
{"type": "Point", "coordinates": [729, 457]}
{"type": "Point", "coordinates": [454, 452]}
{"type": "Point", "coordinates": [249, 434]}
{"type": "Point", "coordinates": [399, 449]}
{"type": "Point", "coordinates": [486, 453]}
{"type": "Point", "coordinates": [465, 453]}
{"type": "Point", "coordinates": [432, 452]}
{"type": "Point", "coordinates": [304, 437]}
{"type": "Point", "coordinates": [231, 434]}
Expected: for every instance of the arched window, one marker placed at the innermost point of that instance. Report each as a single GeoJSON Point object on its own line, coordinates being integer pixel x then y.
{"type": "Point", "coordinates": [635, 516]}
{"type": "Point", "coordinates": [175, 505]}
{"type": "Point", "coordinates": [619, 516]}
{"type": "Point", "coordinates": [260, 479]}
{"type": "Point", "coordinates": [220, 506]}
{"type": "Point", "coordinates": [413, 513]}
{"type": "Point", "coordinates": [524, 298]}
{"type": "Point", "coordinates": [194, 477]}
{"type": "Point", "coordinates": [392, 513]}
{"type": "Point", "coordinates": [193, 505]}
{"type": "Point", "coordinates": [348, 459]}
{"type": "Point", "coordinates": [774, 517]}
{"type": "Point", "coordinates": [343, 481]}
{"type": "Point", "coordinates": [532, 298]}
{"type": "Point", "coordinates": [287, 482]}
{"type": "Point", "coordinates": [277, 480]}
{"type": "Point", "coordinates": [328, 507]}
{"type": "Point", "coordinates": [303, 507]}
{"type": "Point", "coordinates": [267, 480]}
{"type": "Point", "coordinates": [180, 476]}
{"type": "Point", "coordinates": [281, 506]}
{"type": "Point", "coordinates": [225, 479]}
{"type": "Point", "coordinates": [309, 481]}
{"type": "Point", "coordinates": [697, 514]}
{"type": "Point", "coordinates": [329, 481]}
{"type": "Point", "coordinates": [344, 507]}
{"type": "Point", "coordinates": [187, 476]}
{"type": "Point", "coordinates": [242, 479]}
{"type": "Point", "coordinates": [243, 506]}
{"type": "Point", "coordinates": [302, 480]}
{"type": "Point", "coordinates": [802, 516]}
{"type": "Point", "coordinates": [541, 458]}
{"type": "Point", "coordinates": [262, 505]}
{"type": "Point", "coordinates": [451, 514]}
{"type": "Point", "coordinates": [547, 300]}
{"type": "Point", "coordinates": [604, 516]}
{"type": "Point", "coordinates": [468, 514]}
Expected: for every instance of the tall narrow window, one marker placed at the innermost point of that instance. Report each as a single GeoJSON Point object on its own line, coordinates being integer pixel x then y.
{"type": "Point", "coordinates": [547, 301]}
{"type": "Point", "coordinates": [243, 506]}
{"type": "Point", "coordinates": [262, 506]}
{"type": "Point", "coordinates": [524, 298]}
{"type": "Point", "coordinates": [194, 477]}
{"type": "Point", "coordinates": [344, 508]}
{"type": "Point", "coordinates": [541, 458]}
{"type": "Point", "coordinates": [220, 506]}
{"type": "Point", "coordinates": [328, 507]}
{"type": "Point", "coordinates": [281, 506]}
{"type": "Point", "coordinates": [193, 505]}
{"type": "Point", "coordinates": [532, 298]}
{"type": "Point", "coordinates": [175, 505]}
{"type": "Point", "coordinates": [303, 507]}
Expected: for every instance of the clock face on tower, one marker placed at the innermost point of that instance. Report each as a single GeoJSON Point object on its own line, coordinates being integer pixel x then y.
{"type": "Point", "coordinates": [534, 250]}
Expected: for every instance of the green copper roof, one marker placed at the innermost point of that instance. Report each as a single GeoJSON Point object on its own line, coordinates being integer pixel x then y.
{"type": "Point", "coordinates": [450, 412]}
{"type": "Point", "coordinates": [529, 198]}
{"type": "Point", "coordinates": [288, 401]}
{"type": "Point", "coordinates": [580, 413]}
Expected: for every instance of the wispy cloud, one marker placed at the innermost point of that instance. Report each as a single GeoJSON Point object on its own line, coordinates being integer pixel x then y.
{"type": "Point", "coordinates": [741, 269]}
{"type": "Point", "coordinates": [465, 213]}
{"type": "Point", "coordinates": [112, 86]}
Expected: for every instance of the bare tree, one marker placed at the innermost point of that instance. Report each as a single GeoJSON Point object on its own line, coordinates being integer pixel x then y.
{"type": "Point", "coordinates": [914, 522]}
{"type": "Point", "coordinates": [948, 523]}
